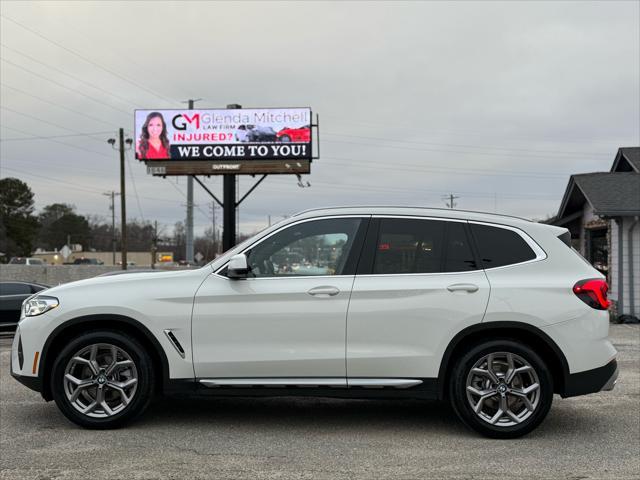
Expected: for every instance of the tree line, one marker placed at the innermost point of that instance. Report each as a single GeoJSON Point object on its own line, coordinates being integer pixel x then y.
{"type": "Point", "coordinates": [23, 230]}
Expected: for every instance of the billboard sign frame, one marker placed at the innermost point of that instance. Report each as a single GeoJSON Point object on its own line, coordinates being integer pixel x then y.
{"type": "Point", "coordinates": [208, 142]}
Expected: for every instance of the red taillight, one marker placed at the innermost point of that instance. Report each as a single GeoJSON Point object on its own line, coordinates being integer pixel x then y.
{"type": "Point", "coordinates": [593, 292]}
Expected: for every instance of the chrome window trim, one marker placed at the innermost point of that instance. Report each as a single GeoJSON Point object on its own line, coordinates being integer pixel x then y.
{"type": "Point", "coordinates": [537, 249]}
{"type": "Point", "coordinates": [253, 245]}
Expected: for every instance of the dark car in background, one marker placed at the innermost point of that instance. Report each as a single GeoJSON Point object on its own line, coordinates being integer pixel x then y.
{"type": "Point", "coordinates": [12, 294]}
{"type": "Point", "coordinates": [88, 261]}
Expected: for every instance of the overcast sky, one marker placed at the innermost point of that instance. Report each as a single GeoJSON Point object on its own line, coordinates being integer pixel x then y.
{"type": "Point", "coordinates": [495, 102]}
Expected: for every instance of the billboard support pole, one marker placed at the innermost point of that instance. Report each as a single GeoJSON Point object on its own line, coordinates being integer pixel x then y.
{"type": "Point", "coordinates": [229, 199]}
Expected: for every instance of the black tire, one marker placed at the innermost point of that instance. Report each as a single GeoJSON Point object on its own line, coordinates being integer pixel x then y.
{"type": "Point", "coordinates": [506, 426]}
{"type": "Point", "coordinates": [285, 139]}
{"type": "Point", "coordinates": [139, 397]}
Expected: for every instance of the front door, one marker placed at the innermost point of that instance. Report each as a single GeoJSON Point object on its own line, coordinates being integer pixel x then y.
{"type": "Point", "coordinates": [288, 318]}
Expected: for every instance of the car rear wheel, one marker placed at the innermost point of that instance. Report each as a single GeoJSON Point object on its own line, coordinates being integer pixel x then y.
{"type": "Point", "coordinates": [501, 389]}
{"type": "Point", "coordinates": [285, 139]}
{"type": "Point", "coordinates": [102, 380]}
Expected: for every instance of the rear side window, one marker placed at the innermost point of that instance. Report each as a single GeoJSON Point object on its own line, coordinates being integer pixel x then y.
{"type": "Point", "coordinates": [422, 246]}
{"type": "Point", "coordinates": [409, 246]}
{"type": "Point", "coordinates": [498, 246]}
{"type": "Point", "coordinates": [459, 257]}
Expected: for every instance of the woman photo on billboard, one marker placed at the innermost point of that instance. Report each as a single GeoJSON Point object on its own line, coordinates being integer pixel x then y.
{"type": "Point", "coordinates": [153, 143]}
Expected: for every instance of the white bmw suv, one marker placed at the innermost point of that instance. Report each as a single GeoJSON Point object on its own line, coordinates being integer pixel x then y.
{"type": "Point", "coordinates": [492, 313]}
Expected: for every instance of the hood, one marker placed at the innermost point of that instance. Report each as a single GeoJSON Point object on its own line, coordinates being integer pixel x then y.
{"type": "Point", "coordinates": [128, 276]}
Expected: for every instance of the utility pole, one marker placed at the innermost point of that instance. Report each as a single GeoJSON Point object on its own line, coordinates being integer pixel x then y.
{"type": "Point", "coordinates": [189, 222]}
{"type": "Point", "coordinates": [451, 197]}
{"type": "Point", "coordinates": [154, 245]}
{"type": "Point", "coordinates": [121, 147]}
{"type": "Point", "coordinates": [114, 240]}
{"type": "Point", "coordinates": [213, 224]}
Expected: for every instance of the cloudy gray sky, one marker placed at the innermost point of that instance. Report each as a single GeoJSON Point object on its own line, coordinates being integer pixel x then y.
{"type": "Point", "coordinates": [495, 102]}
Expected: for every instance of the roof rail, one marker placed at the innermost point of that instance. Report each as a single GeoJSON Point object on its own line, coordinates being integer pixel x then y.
{"type": "Point", "coordinates": [407, 206]}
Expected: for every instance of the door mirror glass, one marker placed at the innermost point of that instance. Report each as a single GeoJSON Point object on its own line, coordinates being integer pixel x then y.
{"type": "Point", "coordinates": [237, 267]}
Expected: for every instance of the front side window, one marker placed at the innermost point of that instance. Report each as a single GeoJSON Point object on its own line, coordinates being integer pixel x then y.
{"type": "Point", "coordinates": [318, 247]}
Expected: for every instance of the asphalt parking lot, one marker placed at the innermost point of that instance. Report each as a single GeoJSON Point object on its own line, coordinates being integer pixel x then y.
{"type": "Point", "coordinates": [596, 436]}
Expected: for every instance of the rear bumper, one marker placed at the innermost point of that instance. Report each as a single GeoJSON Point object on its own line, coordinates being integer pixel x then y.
{"type": "Point", "coordinates": [591, 381]}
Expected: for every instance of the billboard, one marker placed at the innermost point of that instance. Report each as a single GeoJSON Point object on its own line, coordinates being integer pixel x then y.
{"type": "Point", "coordinates": [223, 135]}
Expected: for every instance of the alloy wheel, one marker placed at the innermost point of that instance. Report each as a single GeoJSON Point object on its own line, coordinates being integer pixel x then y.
{"type": "Point", "coordinates": [503, 389]}
{"type": "Point", "coordinates": [100, 380]}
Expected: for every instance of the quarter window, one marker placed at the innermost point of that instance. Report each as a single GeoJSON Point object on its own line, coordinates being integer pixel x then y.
{"type": "Point", "coordinates": [499, 246]}
{"type": "Point", "coordinates": [319, 247]}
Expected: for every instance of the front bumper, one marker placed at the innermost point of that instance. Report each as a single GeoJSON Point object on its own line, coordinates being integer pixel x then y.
{"type": "Point", "coordinates": [32, 382]}
{"type": "Point", "coordinates": [591, 381]}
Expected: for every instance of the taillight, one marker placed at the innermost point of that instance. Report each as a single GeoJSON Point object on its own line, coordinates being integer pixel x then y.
{"type": "Point", "coordinates": [593, 292]}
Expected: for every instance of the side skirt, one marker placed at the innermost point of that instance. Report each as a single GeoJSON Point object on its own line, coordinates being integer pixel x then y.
{"type": "Point", "coordinates": [373, 388]}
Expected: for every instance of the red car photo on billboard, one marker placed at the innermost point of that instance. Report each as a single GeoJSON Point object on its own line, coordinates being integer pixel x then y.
{"type": "Point", "coordinates": [296, 135]}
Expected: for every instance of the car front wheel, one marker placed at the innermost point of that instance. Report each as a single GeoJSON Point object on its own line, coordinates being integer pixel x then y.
{"type": "Point", "coordinates": [102, 379]}
{"type": "Point", "coordinates": [501, 389]}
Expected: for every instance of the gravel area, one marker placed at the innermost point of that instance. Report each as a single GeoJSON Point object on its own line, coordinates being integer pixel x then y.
{"type": "Point", "coordinates": [591, 437]}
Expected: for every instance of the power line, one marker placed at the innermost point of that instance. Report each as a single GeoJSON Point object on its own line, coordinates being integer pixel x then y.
{"type": "Point", "coordinates": [115, 74]}
{"type": "Point", "coordinates": [88, 135]}
{"type": "Point", "coordinates": [77, 92]}
{"type": "Point", "coordinates": [53, 136]}
{"type": "Point", "coordinates": [78, 79]}
{"type": "Point", "coordinates": [490, 154]}
{"type": "Point", "coordinates": [390, 167]}
{"type": "Point", "coordinates": [58, 105]}
{"type": "Point", "coordinates": [58, 141]}
{"type": "Point", "coordinates": [468, 132]}
{"type": "Point", "coordinates": [368, 188]}
{"type": "Point", "coordinates": [485, 147]}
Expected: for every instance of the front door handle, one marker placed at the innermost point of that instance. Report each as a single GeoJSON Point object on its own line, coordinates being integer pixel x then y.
{"type": "Point", "coordinates": [463, 287]}
{"type": "Point", "coordinates": [324, 291]}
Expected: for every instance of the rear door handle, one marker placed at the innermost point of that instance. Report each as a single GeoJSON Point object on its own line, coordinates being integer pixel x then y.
{"type": "Point", "coordinates": [324, 291]}
{"type": "Point", "coordinates": [463, 287]}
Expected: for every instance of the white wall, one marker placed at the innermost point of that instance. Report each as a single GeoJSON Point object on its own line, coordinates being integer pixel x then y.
{"type": "Point", "coordinates": [614, 267]}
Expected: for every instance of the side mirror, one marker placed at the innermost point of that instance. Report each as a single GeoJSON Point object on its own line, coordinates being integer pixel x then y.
{"type": "Point", "coordinates": [237, 267]}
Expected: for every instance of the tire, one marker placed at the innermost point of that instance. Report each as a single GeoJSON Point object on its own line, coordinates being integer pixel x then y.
{"type": "Point", "coordinates": [93, 391]}
{"type": "Point", "coordinates": [527, 393]}
{"type": "Point", "coordinates": [285, 139]}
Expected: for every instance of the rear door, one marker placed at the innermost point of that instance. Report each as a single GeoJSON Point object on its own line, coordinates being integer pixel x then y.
{"type": "Point", "coordinates": [418, 284]}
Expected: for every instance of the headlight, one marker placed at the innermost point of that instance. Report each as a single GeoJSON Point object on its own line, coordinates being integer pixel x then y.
{"type": "Point", "coordinates": [38, 305]}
